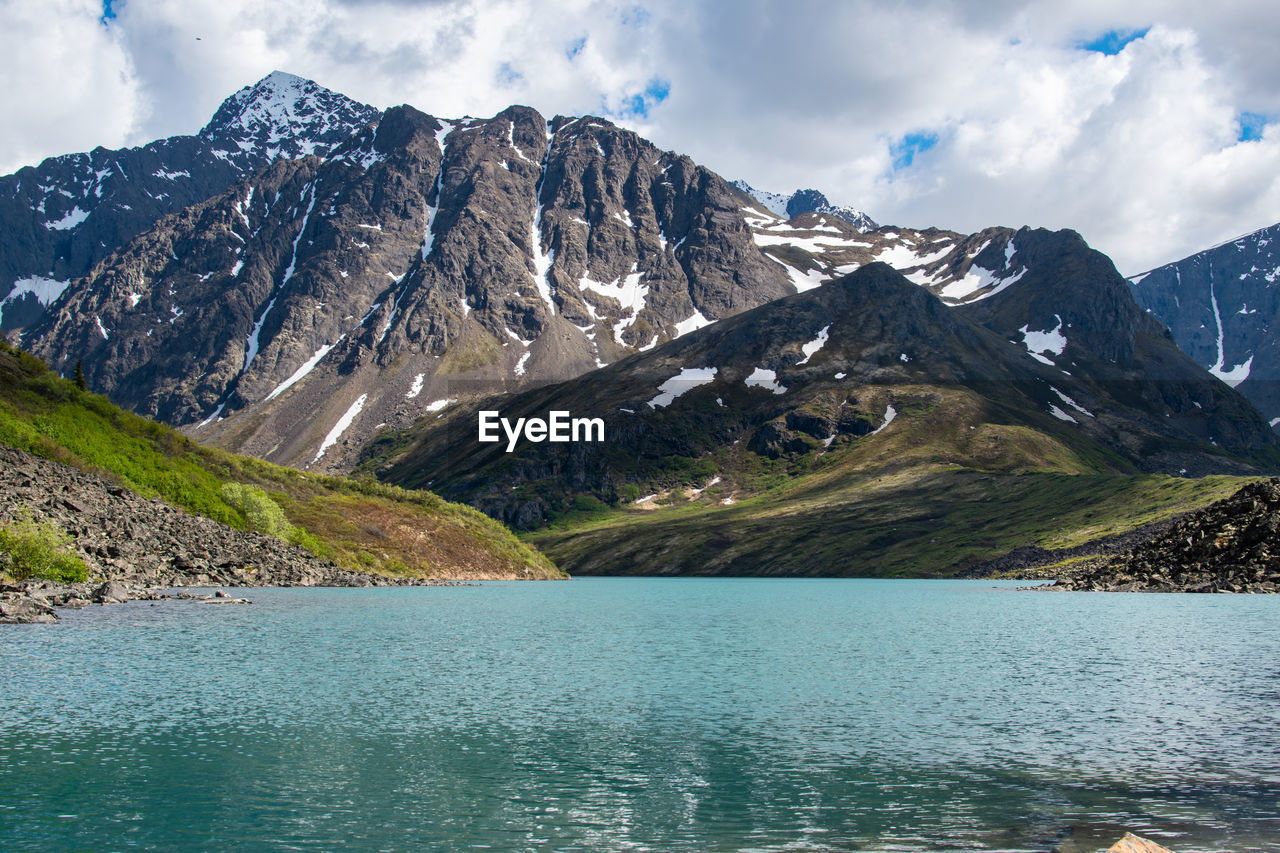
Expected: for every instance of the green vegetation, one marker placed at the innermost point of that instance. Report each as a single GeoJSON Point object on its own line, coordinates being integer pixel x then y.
{"type": "Point", "coordinates": [29, 549]}
{"type": "Point", "coordinates": [259, 510]}
{"type": "Point", "coordinates": [359, 524]}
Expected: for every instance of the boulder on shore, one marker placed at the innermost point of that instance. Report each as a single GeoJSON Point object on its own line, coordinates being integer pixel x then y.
{"type": "Point", "coordinates": [16, 609]}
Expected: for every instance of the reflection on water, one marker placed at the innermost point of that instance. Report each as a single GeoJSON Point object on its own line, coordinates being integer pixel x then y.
{"type": "Point", "coordinates": [647, 715]}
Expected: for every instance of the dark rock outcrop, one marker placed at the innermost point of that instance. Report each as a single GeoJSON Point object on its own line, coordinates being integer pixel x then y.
{"type": "Point", "coordinates": [1229, 546]}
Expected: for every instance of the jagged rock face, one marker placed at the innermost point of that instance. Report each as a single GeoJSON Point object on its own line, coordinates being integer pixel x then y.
{"type": "Point", "coordinates": [1220, 305]}
{"type": "Point", "coordinates": [826, 371]}
{"type": "Point", "coordinates": [1071, 310]}
{"type": "Point", "coordinates": [212, 306]}
{"type": "Point", "coordinates": [69, 213]}
{"type": "Point", "coordinates": [423, 261]}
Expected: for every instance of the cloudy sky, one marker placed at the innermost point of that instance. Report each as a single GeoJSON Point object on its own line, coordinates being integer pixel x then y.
{"type": "Point", "coordinates": [1150, 127]}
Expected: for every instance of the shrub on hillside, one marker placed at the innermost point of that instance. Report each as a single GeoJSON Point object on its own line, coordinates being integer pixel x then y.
{"type": "Point", "coordinates": [263, 514]}
{"type": "Point", "coordinates": [29, 549]}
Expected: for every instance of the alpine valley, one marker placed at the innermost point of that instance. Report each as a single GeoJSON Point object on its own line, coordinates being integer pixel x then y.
{"type": "Point", "coordinates": [788, 387]}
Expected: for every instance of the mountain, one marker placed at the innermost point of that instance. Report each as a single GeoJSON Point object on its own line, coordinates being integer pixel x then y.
{"type": "Point", "coordinates": [70, 212]}
{"type": "Point", "coordinates": [863, 427]}
{"type": "Point", "coordinates": [806, 201]}
{"type": "Point", "coordinates": [1220, 304]}
{"type": "Point", "coordinates": [422, 260]}
{"type": "Point", "coordinates": [354, 285]}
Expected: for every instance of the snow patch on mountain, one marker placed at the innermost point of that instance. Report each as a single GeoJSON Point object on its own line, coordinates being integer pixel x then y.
{"type": "Point", "coordinates": [762, 378]}
{"type": "Point", "coordinates": [343, 424]}
{"type": "Point", "coordinates": [1039, 344]}
{"type": "Point", "coordinates": [302, 371]}
{"type": "Point", "coordinates": [889, 414]}
{"type": "Point", "coordinates": [45, 290]}
{"type": "Point", "coordinates": [73, 218]}
{"type": "Point", "coordinates": [692, 323]}
{"type": "Point", "coordinates": [814, 345]}
{"type": "Point", "coordinates": [687, 379]}
{"type": "Point", "coordinates": [416, 389]}
{"type": "Point", "coordinates": [628, 292]}
{"type": "Point", "coordinates": [1070, 402]}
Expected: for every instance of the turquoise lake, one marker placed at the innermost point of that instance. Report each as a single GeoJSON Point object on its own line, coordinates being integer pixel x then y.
{"type": "Point", "coordinates": [647, 714]}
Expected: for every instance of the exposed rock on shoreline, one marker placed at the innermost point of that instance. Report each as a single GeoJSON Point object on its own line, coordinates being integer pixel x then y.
{"type": "Point", "coordinates": [35, 600]}
{"type": "Point", "coordinates": [140, 546]}
{"type": "Point", "coordinates": [1229, 546]}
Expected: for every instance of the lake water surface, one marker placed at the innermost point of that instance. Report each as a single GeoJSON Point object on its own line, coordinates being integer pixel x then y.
{"type": "Point", "coordinates": [647, 714]}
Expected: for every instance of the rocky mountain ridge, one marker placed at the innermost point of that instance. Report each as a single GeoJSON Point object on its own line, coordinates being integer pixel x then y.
{"type": "Point", "coordinates": [420, 261]}
{"type": "Point", "coordinates": [807, 201]}
{"type": "Point", "coordinates": [70, 212]}
{"type": "Point", "coordinates": [420, 257]}
{"type": "Point", "coordinates": [1222, 305]}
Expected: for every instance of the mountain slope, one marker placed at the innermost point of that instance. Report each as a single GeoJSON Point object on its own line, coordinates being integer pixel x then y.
{"type": "Point", "coordinates": [70, 212]}
{"type": "Point", "coordinates": [1221, 305]}
{"type": "Point", "coordinates": [360, 526]}
{"type": "Point", "coordinates": [869, 387]}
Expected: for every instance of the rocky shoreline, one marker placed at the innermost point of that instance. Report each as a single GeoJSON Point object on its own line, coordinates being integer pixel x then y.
{"type": "Point", "coordinates": [37, 600]}
{"type": "Point", "coordinates": [136, 548]}
{"type": "Point", "coordinates": [1232, 545]}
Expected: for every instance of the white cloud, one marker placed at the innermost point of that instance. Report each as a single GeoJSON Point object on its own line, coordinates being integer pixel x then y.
{"type": "Point", "coordinates": [1138, 150]}
{"type": "Point", "coordinates": [69, 84]}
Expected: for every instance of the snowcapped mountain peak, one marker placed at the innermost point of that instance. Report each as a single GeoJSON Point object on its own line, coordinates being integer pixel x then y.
{"type": "Point", "coordinates": [794, 204]}
{"type": "Point", "coordinates": [284, 114]}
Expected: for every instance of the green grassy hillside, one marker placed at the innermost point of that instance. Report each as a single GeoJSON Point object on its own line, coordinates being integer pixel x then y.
{"type": "Point", "coordinates": [927, 521]}
{"type": "Point", "coordinates": [358, 524]}
{"type": "Point", "coordinates": [942, 488]}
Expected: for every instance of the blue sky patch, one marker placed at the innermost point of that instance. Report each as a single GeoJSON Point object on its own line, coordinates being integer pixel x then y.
{"type": "Point", "coordinates": [508, 75]}
{"type": "Point", "coordinates": [1113, 41]}
{"type": "Point", "coordinates": [638, 105]}
{"type": "Point", "coordinates": [636, 16]}
{"type": "Point", "coordinates": [1251, 126]}
{"type": "Point", "coordinates": [575, 47]}
{"type": "Point", "coordinates": [904, 151]}
{"type": "Point", "coordinates": [108, 14]}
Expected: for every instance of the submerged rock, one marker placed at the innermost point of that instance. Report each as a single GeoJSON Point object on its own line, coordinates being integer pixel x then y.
{"type": "Point", "coordinates": [1134, 844]}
